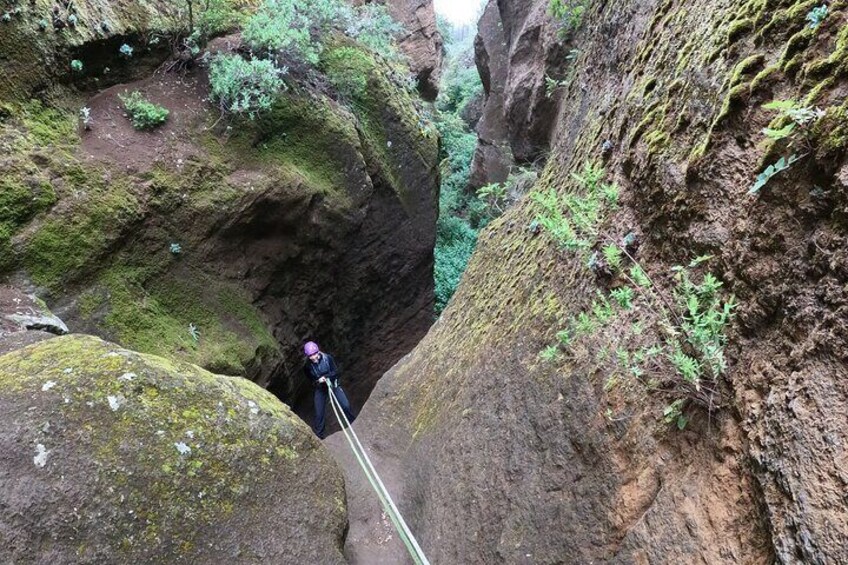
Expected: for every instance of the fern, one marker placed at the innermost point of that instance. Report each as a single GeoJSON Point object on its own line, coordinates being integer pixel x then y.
{"type": "Point", "coordinates": [778, 167]}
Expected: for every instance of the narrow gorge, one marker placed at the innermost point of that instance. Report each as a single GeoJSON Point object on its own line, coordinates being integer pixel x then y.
{"type": "Point", "coordinates": [642, 363]}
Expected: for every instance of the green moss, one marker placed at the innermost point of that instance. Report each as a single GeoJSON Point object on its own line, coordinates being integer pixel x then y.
{"type": "Point", "coordinates": [830, 135]}
{"type": "Point", "coordinates": [349, 70]}
{"type": "Point", "coordinates": [657, 141]}
{"type": "Point", "coordinates": [764, 76]}
{"type": "Point", "coordinates": [65, 247]}
{"type": "Point", "coordinates": [814, 94]}
{"type": "Point", "coordinates": [738, 88]}
{"type": "Point", "coordinates": [792, 66]}
{"type": "Point", "coordinates": [797, 44]}
{"type": "Point", "coordinates": [7, 255]}
{"type": "Point", "coordinates": [303, 133]}
{"type": "Point", "coordinates": [835, 64]}
{"type": "Point", "coordinates": [48, 125]}
{"type": "Point", "coordinates": [152, 313]}
{"type": "Point", "coordinates": [20, 201]}
{"type": "Point", "coordinates": [739, 28]}
{"type": "Point", "coordinates": [788, 20]}
{"type": "Point", "coordinates": [746, 67]}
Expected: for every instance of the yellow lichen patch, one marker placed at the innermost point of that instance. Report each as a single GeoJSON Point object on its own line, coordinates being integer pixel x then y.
{"type": "Point", "coordinates": [200, 442]}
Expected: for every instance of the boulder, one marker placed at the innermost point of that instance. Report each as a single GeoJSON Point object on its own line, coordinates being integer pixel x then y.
{"type": "Point", "coordinates": [22, 312]}
{"type": "Point", "coordinates": [111, 456]}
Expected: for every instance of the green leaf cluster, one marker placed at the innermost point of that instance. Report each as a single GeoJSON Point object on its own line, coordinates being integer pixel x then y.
{"type": "Point", "coordinates": [244, 86]}
{"type": "Point", "coordinates": [572, 220]}
{"type": "Point", "coordinates": [142, 113]}
{"type": "Point", "coordinates": [777, 167]}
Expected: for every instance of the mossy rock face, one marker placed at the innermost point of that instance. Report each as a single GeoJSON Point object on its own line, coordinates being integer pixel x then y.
{"type": "Point", "coordinates": [113, 456]}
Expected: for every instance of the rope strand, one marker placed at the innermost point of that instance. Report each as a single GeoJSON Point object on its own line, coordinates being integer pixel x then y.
{"type": "Point", "coordinates": [377, 484]}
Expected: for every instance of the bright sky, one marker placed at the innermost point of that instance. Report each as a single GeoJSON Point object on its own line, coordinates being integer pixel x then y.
{"type": "Point", "coordinates": [459, 12]}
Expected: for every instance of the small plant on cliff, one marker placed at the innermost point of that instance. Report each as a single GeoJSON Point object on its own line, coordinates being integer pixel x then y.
{"type": "Point", "coordinates": [792, 127]}
{"type": "Point", "coordinates": [569, 13]}
{"type": "Point", "coordinates": [550, 353]}
{"type": "Point", "coordinates": [800, 116]}
{"type": "Point", "coordinates": [817, 15]}
{"type": "Point", "coordinates": [573, 219]}
{"type": "Point", "coordinates": [374, 27]}
{"type": "Point", "coordinates": [76, 66]}
{"type": "Point", "coordinates": [777, 167]}
{"type": "Point", "coordinates": [85, 118]}
{"type": "Point", "coordinates": [126, 51]}
{"type": "Point", "coordinates": [552, 85]}
{"type": "Point", "coordinates": [244, 87]}
{"type": "Point", "coordinates": [142, 113]}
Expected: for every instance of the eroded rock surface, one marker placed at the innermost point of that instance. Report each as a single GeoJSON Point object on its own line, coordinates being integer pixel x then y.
{"type": "Point", "coordinates": [517, 47]}
{"type": "Point", "coordinates": [421, 41]}
{"type": "Point", "coordinates": [505, 457]}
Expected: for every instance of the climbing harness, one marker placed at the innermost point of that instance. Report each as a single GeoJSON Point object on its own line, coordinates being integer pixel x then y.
{"type": "Point", "coordinates": [374, 479]}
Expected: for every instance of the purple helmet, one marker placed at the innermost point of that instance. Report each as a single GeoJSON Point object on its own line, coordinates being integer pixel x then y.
{"type": "Point", "coordinates": [311, 348]}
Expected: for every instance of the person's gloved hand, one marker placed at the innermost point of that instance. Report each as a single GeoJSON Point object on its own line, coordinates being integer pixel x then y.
{"type": "Point", "coordinates": [322, 380]}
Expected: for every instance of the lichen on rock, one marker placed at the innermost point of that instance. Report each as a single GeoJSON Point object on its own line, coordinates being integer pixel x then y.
{"type": "Point", "coordinates": [130, 457]}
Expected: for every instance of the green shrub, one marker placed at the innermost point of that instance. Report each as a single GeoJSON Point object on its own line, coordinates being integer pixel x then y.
{"type": "Point", "coordinates": [455, 242]}
{"type": "Point", "coordinates": [242, 86]}
{"type": "Point", "coordinates": [142, 113]}
{"type": "Point", "coordinates": [373, 27]}
{"type": "Point", "coordinates": [293, 30]}
{"type": "Point", "coordinates": [569, 12]}
{"type": "Point", "coordinates": [460, 85]}
{"type": "Point", "coordinates": [457, 152]}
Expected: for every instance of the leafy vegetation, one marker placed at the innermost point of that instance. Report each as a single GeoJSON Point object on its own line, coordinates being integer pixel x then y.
{"type": "Point", "coordinates": [570, 13]}
{"type": "Point", "coordinates": [455, 242]}
{"type": "Point", "coordinates": [460, 213]}
{"type": "Point", "coordinates": [775, 168]}
{"type": "Point", "coordinates": [672, 343]}
{"type": "Point", "coordinates": [142, 113]}
{"type": "Point", "coordinates": [572, 220]}
{"type": "Point", "coordinates": [791, 126]}
{"type": "Point", "coordinates": [242, 86]}
{"type": "Point", "coordinates": [284, 34]}
{"type": "Point", "coordinates": [294, 30]}
{"type": "Point", "coordinates": [817, 15]}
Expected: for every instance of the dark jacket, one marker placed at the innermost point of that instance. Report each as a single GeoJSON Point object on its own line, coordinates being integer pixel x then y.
{"type": "Point", "coordinates": [325, 367]}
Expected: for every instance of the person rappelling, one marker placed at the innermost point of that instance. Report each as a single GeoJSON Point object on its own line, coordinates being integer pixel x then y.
{"type": "Point", "coordinates": [322, 371]}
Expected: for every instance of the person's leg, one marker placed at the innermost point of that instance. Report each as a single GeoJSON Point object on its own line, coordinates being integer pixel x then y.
{"type": "Point", "coordinates": [320, 398]}
{"type": "Point", "coordinates": [340, 395]}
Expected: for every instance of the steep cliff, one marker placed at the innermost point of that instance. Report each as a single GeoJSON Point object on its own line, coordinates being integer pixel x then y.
{"type": "Point", "coordinates": [500, 454]}
{"type": "Point", "coordinates": [421, 42]}
{"type": "Point", "coordinates": [517, 46]}
{"type": "Point", "coordinates": [219, 242]}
